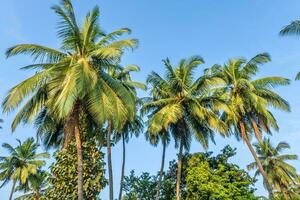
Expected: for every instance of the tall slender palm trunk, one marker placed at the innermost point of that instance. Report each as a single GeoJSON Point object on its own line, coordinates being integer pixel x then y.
{"type": "Point", "coordinates": [260, 167]}
{"type": "Point", "coordinates": [71, 130]}
{"type": "Point", "coordinates": [12, 189]}
{"type": "Point", "coordinates": [123, 167]}
{"type": "Point", "coordinates": [179, 168]}
{"type": "Point", "coordinates": [161, 171]}
{"type": "Point", "coordinates": [79, 161]}
{"type": "Point", "coordinates": [109, 162]}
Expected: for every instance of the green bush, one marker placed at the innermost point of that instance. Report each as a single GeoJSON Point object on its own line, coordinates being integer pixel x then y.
{"type": "Point", "coordinates": [63, 183]}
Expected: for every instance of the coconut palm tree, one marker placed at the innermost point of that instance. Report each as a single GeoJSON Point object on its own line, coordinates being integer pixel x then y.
{"type": "Point", "coordinates": [164, 137]}
{"type": "Point", "coordinates": [281, 175]}
{"type": "Point", "coordinates": [292, 29]}
{"type": "Point", "coordinates": [72, 80]}
{"type": "Point", "coordinates": [22, 162]}
{"type": "Point", "coordinates": [130, 127]}
{"type": "Point", "coordinates": [182, 105]}
{"type": "Point", "coordinates": [34, 187]}
{"type": "Point", "coordinates": [249, 101]}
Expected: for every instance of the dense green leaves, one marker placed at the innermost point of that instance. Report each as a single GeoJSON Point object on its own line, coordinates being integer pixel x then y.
{"type": "Point", "coordinates": [213, 178]}
{"type": "Point", "coordinates": [139, 187]}
{"type": "Point", "coordinates": [63, 182]}
{"type": "Point", "coordinates": [204, 177]}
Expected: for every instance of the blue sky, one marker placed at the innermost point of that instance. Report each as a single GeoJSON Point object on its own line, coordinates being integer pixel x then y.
{"type": "Point", "coordinates": [216, 30]}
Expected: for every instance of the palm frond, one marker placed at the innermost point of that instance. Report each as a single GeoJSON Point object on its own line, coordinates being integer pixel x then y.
{"type": "Point", "coordinates": [292, 29]}
{"type": "Point", "coordinates": [38, 52]}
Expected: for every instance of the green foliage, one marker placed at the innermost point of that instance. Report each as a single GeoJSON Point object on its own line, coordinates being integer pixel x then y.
{"type": "Point", "coordinates": [168, 189]}
{"type": "Point", "coordinates": [63, 182]}
{"type": "Point", "coordinates": [144, 186]}
{"type": "Point", "coordinates": [204, 177]}
{"type": "Point", "coordinates": [213, 178]}
{"type": "Point", "coordinates": [139, 187]}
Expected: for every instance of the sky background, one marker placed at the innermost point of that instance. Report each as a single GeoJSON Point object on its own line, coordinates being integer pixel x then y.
{"type": "Point", "coordinates": [216, 30]}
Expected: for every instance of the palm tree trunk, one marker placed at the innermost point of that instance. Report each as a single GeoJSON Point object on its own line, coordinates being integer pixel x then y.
{"type": "Point", "coordinates": [12, 189]}
{"type": "Point", "coordinates": [123, 167]}
{"type": "Point", "coordinates": [260, 167]}
{"type": "Point", "coordinates": [72, 129]}
{"type": "Point", "coordinates": [79, 161]}
{"type": "Point", "coordinates": [161, 170]}
{"type": "Point", "coordinates": [109, 163]}
{"type": "Point", "coordinates": [256, 130]}
{"type": "Point", "coordinates": [179, 168]}
{"type": "Point", "coordinates": [68, 130]}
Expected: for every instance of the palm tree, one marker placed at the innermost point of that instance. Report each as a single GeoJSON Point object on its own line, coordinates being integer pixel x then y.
{"type": "Point", "coordinates": [7, 167]}
{"type": "Point", "coordinates": [281, 175]}
{"type": "Point", "coordinates": [292, 29]}
{"type": "Point", "coordinates": [130, 127]}
{"type": "Point", "coordinates": [22, 162]}
{"type": "Point", "coordinates": [72, 80]}
{"type": "Point", "coordinates": [183, 106]}
{"type": "Point", "coordinates": [34, 187]}
{"type": "Point", "coordinates": [249, 100]}
{"type": "Point", "coordinates": [164, 137]}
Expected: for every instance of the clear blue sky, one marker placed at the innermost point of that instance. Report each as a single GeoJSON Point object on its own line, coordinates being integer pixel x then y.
{"type": "Point", "coordinates": [216, 30]}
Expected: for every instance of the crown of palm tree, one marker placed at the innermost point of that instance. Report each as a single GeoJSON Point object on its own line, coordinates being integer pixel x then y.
{"type": "Point", "coordinates": [22, 161]}
{"type": "Point", "coordinates": [50, 129]}
{"type": "Point", "coordinates": [249, 99]}
{"type": "Point", "coordinates": [75, 72]}
{"type": "Point", "coordinates": [282, 175]}
{"type": "Point", "coordinates": [123, 74]}
{"type": "Point", "coordinates": [181, 104]}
